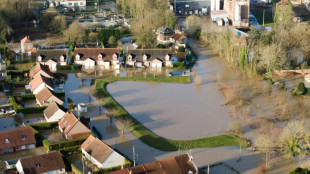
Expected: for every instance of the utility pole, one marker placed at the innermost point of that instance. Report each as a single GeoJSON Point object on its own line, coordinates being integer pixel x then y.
{"type": "Point", "coordinates": [264, 18]}
{"type": "Point", "coordinates": [134, 155]}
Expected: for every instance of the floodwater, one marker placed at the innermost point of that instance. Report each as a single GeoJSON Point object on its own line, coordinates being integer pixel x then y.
{"type": "Point", "coordinates": [174, 111]}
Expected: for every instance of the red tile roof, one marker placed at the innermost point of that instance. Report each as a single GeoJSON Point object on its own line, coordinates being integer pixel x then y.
{"type": "Point", "coordinates": [176, 165]}
{"type": "Point", "coordinates": [42, 163]}
{"type": "Point", "coordinates": [38, 80]}
{"type": "Point", "coordinates": [67, 122]}
{"type": "Point", "coordinates": [38, 68]}
{"type": "Point", "coordinates": [178, 37]}
{"type": "Point", "coordinates": [16, 138]}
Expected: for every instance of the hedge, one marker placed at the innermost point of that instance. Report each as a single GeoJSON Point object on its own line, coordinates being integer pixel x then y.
{"type": "Point", "coordinates": [14, 104]}
{"type": "Point", "coordinates": [32, 60]}
{"type": "Point", "coordinates": [97, 132]}
{"type": "Point", "coordinates": [44, 126]}
{"type": "Point", "coordinates": [70, 67]}
{"type": "Point", "coordinates": [31, 110]}
{"type": "Point", "coordinates": [126, 165]}
{"type": "Point", "coordinates": [64, 144]}
{"type": "Point", "coordinates": [75, 169]}
{"type": "Point", "coordinates": [26, 96]}
{"type": "Point", "coordinates": [178, 64]}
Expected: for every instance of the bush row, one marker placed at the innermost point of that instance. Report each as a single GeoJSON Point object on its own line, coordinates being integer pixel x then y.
{"type": "Point", "coordinates": [14, 104]}
{"type": "Point", "coordinates": [178, 64]}
{"type": "Point", "coordinates": [70, 67]}
{"type": "Point", "coordinates": [97, 133]}
{"type": "Point", "coordinates": [26, 96]}
{"type": "Point", "coordinates": [126, 165]}
{"type": "Point", "coordinates": [31, 110]}
{"type": "Point", "coordinates": [43, 126]}
{"type": "Point", "coordinates": [32, 60]}
{"type": "Point", "coordinates": [64, 144]}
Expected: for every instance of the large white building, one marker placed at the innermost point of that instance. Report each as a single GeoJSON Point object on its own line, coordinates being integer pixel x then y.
{"type": "Point", "coordinates": [68, 3]}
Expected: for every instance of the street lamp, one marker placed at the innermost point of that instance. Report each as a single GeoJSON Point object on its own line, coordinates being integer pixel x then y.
{"type": "Point", "coordinates": [179, 150]}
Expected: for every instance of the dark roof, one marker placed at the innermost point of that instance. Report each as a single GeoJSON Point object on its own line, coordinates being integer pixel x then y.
{"type": "Point", "coordinates": [150, 53]}
{"type": "Point", "coordinates": [193, 5]}
{"type": "Point", "coordinates": [16, 138]}
{"type": "Point", "coordinates": [54, 54]}
{"type": "Point", "coordinates": [52, 108]}
{"type": "Point", "coordinates": [176, 165]}
{"type": "Point", "coordinates": [97, 149]}
{"type": "Point", "coordinates": [166, 31]}
{"type": "Point", "coordinates": [42, 163]}
{"type": "Point", "coordinates": [107, 53]}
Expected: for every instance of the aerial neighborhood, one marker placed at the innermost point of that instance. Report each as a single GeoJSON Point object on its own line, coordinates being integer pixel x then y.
{"type": "Point", "coordinates": [165, 86]}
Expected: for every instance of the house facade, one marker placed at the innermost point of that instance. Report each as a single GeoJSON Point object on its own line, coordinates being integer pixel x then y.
{"type": "Point", "coordinates": [89, 57]}
{"type": "Point", "coordinates": [3, 72]}
{"type": "Point", "coordinates": [238, 12]}
{"type": "Point", "coordinates": [154, 58]}
{"type": "Point", "coordinates": [40, 82]}
{"type": "Point", "coordinates": [71, 127]}
{"type": "Point", "coordinates": [17, 140]}
{"type": "Point", "coordinates": [27, 46]}
{"type": "Point", "coordinates": [50, 163]}
{"type": "Point", "coordinates": [164, 34]}
{"type": "Point", "coordinates": [60, 56]}
{"type": "Point", "coordinates": [46, 96]}
{"type": "Point", "coordinates": [100, 154]}
{"type": "Point", "coordinates": [54, 112]}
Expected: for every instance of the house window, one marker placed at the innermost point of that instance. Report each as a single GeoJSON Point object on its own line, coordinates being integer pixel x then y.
{"type": "Point", "coordinates": [68, 126]}
{"type": "Point", "coordinates": [37, 164]}
{"type": "Point", "coordinates": [23, 137]}
{"type": "Point", "coordinates": [81, 3]}
{"type": "Point", "coordinates": [88, 142]}
{"type": "Point", "coordinates": [6, 150]}
{"type": "Point", "coordinates": [66, 122]}
{"type": "Point", "coordinates": [70, 4]}
{"type": "Point", "coordinates": [7, 140]}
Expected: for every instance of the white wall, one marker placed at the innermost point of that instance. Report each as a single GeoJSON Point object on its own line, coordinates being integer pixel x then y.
{"type": "Point", "coordinates": [39, 88]}
{"type": "Point", "coordinates": [19, 167]}
{"type": "Point", "coordinates": [56, 116]}
{"type": "Point", "coordinates": [114, 159]}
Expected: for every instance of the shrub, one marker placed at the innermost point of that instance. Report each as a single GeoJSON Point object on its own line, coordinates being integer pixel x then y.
{"type": "Point", "coordinates": [301, 87]}
{"type": "Point", "coordinates": [31, 110]}
{"type": "Point", "coordinates": [299, 170]}
{"type": "Point", "coordinates": [44, 126]}
{"type": "Point", "coordinates": [66, 144]}
{"type": "Point", "coordinates": [26, 96]}
{"type": "Point", "coordinates": [178, 64]}
{"type": "Point", "coordinates": [14, 104]}
{"type": "Point", "coordinates": [181, 49]}
{"type": "Point", "coordinates": [12, 67]}
{"type": "Point", "coordinates": [126, 165]}
{"type": "Point", "coordinates": [70, 67]}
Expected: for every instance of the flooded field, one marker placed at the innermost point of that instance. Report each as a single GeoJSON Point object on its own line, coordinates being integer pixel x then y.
{"type": "Point", "coordinates": [174, 111]}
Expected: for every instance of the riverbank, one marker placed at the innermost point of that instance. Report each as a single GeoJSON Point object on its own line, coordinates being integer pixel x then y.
{"type": "Point", "coordinates": [147, 136]}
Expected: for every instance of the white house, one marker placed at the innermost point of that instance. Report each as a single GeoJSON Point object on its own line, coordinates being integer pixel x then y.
{"type": "Point", "coordinates": [51, 64]}
{"type": "Point", "coordinates": [50, 163]}
{"type": "Point", "coordinates": [156, 63]}
{"type": "Point", "coordinates": [101, 154]}
{"type": "Point", "coordinates": [89, 63]}
{"type": "Point", "coordinates": [39, 82]}
{"type": "Point", "coordinates": [54, 112]}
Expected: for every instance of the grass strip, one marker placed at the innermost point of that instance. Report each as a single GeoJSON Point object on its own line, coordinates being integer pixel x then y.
{"type": "Point", "coordinates": [146, 135]}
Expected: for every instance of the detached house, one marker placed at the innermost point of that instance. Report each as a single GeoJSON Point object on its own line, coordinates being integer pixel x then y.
{"type": "Point", "coordinates": [100, 154]}
{"type": "Point", "coordinates": [52, 58]}
{"type": "Point", "coordinates": [40, 69]}
{"type": "Point", "coordinates": [39, 82]}
{"type": "Point", "coordinates": [17, 140]}
{"type": "Point", "coordinates": [88, 57]}
{"type": "Point", "coordinates": [149, 58]}
{"type": "Point", "coordinates": [50, 163]}
{"type": "Point", "coordinates": [54, 112]}
{"type": "Point", "coordinates": [46, 96]}
{"type": "Point", "coordinates": [164, 34]}
{"type": "Point", "coordinates": [27, 46]}
{"type": "Point", "coordinates": [178, 38]}
{"type": "Point", "coordinates": [182, 164]}
{"type": "Point", "coordinates": [71, 127]}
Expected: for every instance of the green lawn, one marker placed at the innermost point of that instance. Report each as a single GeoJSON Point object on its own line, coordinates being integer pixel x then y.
{"type": "Point", "coordinates": [147, 136]}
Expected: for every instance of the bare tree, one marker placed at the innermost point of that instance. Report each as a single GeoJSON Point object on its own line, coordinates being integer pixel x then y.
{"type": "Point", "coordinates": [123, 124]}
{"type": "Point", "coordinates": [294, 138]}
{"type": "Point", "coordinates": [264, 144]}
{"type": "Point", "coordinates": [193, 23]}
{"type": "Point", "coordinates": [111, 113]}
